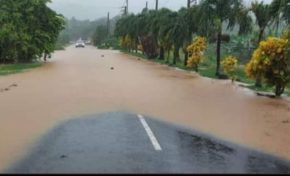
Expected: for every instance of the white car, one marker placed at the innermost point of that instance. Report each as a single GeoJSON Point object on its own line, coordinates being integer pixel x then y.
{"type": "Point", "coordinates": [80, 45]}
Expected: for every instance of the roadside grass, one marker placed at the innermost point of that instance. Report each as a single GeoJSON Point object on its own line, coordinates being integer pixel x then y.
{"type": "Point", "coordinates": [207, 68]}
{"type": "Point", "coordinates": [7, 69]}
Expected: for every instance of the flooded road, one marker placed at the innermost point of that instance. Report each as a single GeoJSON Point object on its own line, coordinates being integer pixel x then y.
{"type": "Point", "coordinates": [80, 81]}
{"type": "Point", "coordinates": [116, 142]}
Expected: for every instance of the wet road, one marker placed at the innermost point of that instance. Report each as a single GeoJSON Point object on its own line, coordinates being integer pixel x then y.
{"type": "Point", "coordinates": [76, 82]}
{"type": "Point", "coordinates": [121, 142]}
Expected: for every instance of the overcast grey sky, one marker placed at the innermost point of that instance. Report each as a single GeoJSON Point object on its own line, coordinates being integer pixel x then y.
{"type": "Point", "coordinates": [93, 9]}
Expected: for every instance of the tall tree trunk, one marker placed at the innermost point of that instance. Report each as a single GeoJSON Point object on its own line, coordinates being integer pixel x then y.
{"type": "Point", "coordinates": [196, 68]}
{"type": "Point", "coordinates": [161, 54]}
{"type": "Point", "coordinates": [258, 81]}
{"type": "Point", "coordinates": [218, 52]}
{"type": "Point", "coordinates": [185, 58]}
{"type": "Point", "coordinates": [45, 56]}
{"type": "Point", "coordinates": [156, 46]}
{"type": "Point", "coordinates": [277, 27]}
{"type": "Point", "coordinates": [279, 90]}
{"type": "Point", "coordinates": [260, 35]}
{"type": "Point", "coordinates": [1, 56]}
{"type": "Point", "coordinates": [175, 55]}
{"type": "Point", "coordinates": [136, 46]}
{"type": "Point", "coordinates": [185, 50]}
{"type": "Point", "coordinates": [259, 77]}
{"type": "Point", "coordinates": [168, 56]}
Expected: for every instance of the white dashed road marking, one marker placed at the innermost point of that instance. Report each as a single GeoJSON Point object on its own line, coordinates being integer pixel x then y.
{"type": "Point", "coordinates": [149, 132]}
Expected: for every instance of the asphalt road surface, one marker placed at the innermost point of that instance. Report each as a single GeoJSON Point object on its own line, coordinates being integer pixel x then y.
{"type": "Point", "coordinates": [120, 142]}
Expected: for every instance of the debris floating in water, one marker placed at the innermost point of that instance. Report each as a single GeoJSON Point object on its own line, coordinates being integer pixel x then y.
{"type": "Point", "coordinates": [8, 88]}
{"type": "Point", "coordinates": [63, 156]}
{"type": "Point", "coordinates": [13, 85]}
{"type": "Point", "coordinates": [286, 121]}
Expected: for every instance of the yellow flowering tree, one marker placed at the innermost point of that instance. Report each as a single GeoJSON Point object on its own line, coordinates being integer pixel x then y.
{"type": "Point", "coordinates": [122, 42]}
{"type": "Point", "coordinates": [140, 48]}
{"type": "Point", "coordinates": [286, 36]}
{"type": "Point", "coordinates": [270, 62]}
{"type": "Point", "coordinates": [196, 52]}
{"type": "Point", "coordinates": [230, 65]}
{"type": "Point", "coordinates": [126, 42]}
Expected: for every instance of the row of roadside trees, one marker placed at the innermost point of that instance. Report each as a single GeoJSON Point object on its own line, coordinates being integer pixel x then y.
{"type": "Point", "coordinates": [162, 31]}
{"type": "Point", "coordinates": [167, 29]}
{"type": "Point", "coordinates": [29, 30]}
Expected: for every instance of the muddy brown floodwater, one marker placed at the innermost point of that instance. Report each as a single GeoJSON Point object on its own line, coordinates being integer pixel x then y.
{"type": "Point", "coordinates": [82, 81]}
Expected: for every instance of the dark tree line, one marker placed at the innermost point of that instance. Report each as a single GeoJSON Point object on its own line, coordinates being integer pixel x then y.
{"type": "Point", "coordinates": [29, 30]}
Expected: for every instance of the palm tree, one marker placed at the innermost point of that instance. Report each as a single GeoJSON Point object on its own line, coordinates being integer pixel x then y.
{"type": "Point", "coordinates": [280, 11]}
{"type": "Point", "coordinates": [169, 28]}
{"type": "Point", "coordinates": [148, 35]}
{"type": "Point", "coordinates": [286, 12]}
{"type": "Point", "coordinates": [263, 17]}
{"type": "Point", "coordinates": [245, 21]}
{"type": "Point", "coordinates": [133, 26]}
{"type": "Point", "coordinates": [177, 33]}
{"type": "Point", "coordinates": [158, 23]}
{"type": "Point", "coordinates": [275, 11]}
{"type": "Point", "coordinates": [190, 16]}
{"type": "Point", "coordinates": [121, 27]}
{"type": "Point", "coordinates": [215, 13]}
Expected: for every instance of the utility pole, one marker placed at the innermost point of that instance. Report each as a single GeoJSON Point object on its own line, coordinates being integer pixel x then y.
{"type": "Point", "coordinates": [146, 5]}
{"type": "Point", "coordinates": [156, 7]}
{"type": "Point", "coordinates": [127, 7]}
{"type": "Point", "coordinates": [108, 25]}
{"type": "Point", "coordinates": [125, 10]}
{"type": "Point", "coordinates": [189, 2]}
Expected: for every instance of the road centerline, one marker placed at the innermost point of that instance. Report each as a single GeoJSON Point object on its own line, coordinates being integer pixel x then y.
{"type": "Point", "coordinates": [150, 134]}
